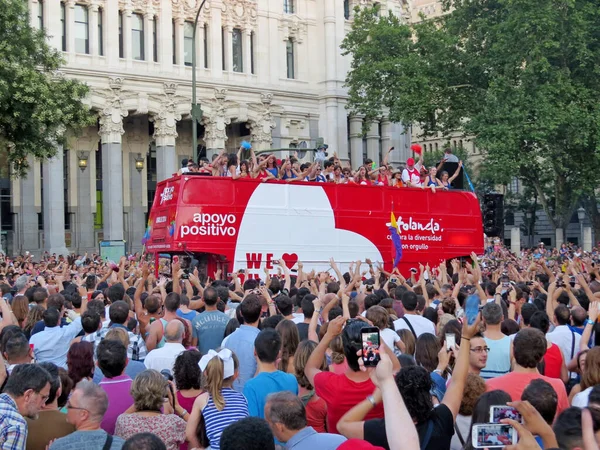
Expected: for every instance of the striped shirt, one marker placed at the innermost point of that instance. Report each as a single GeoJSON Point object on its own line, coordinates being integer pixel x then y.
{"type": "Point", "coordinates": [13, 427]}
{"type": "Point", "coordinates": [236, 408]}
{"type": "Point", "coordinates": [136, 351]}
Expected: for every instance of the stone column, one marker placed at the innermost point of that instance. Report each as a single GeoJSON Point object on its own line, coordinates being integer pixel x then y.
{"type": "Point", "coordinates": [165, 32]}
{"type": "Point", "coordinates": [560, 237]}
{"type": "Point", "coordinates": [166, 156]}
{"type": "Point", "coordinates": [247, 34]}
{"type": "Point", "coordinates": [148, 38]}
{"type": "Point", "coordinates": [111, 132]}
{"type": "Point", "coordinates": [373, 142]}
{"type": "Point", "coordinates": [84, 218]}
{"type": "Point", "coordinates": [587, 239]}
{"type": "Point", "coordinates": [200, 46]}
{"type": "Point", "coordinates": [93, 34]}
{"type": "Point", "coordinates": [179, 39]}
{"type": "Point", "coordinates": [137, 224]}
{"type": "Point", "coordinates": [52, 17]}
{"type": "Point", "coordinates": [216, 46]}
{"type": "Point", "coordinates": [25, 194]}
{"type": "Point", "coordinates": [111, 31]}
{"type": "Point", "coordinates": [54, 204]}
{"type": "Point", "coordinates": [127, 49]}
{"type": "Point", "coordinates": [356, 141]}
{"type": "Point", "coordinates": [33, 20]}
{"type": "Point", "coordinates": [515, 240]}
{"type": "Point", "coordinates": [342, 131]}
{"type": "Point", "coordinates": [228, 49]}
{"type": "Point", "coordinates": [386, 135]}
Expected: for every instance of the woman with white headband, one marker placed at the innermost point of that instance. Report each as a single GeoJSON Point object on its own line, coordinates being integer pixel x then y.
{"type": "Point", "coordinates": [220, 405]}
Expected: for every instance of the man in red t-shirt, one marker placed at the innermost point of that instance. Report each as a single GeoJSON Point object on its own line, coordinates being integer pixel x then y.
{"type": "Point", "coordinates": [341, 392]}
{"type": "Point", "coordinates": [529, 347]}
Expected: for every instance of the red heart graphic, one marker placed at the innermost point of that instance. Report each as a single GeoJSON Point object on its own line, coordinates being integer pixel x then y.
{"type": "Point", "coordinates": [290, 259]}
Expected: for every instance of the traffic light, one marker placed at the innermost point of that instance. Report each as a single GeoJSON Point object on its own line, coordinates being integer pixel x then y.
{"type": "Point", "coordinates": [493, 215]}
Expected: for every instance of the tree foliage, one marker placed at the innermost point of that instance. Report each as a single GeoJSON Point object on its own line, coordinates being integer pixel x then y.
{"type": "Point", "coordinates": [37, 104]}
{"type": "Point", "coordinates": [519, 76]}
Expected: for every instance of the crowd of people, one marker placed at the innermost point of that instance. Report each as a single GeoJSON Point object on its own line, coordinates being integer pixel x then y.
{"type": "Point", "coordinates": [267, 167]}
{"type": "Point", "coordinates": [102, 356]}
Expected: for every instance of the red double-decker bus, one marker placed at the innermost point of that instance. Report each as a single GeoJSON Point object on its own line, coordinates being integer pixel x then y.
{"type": "Point", "coordinates": [246, 224]}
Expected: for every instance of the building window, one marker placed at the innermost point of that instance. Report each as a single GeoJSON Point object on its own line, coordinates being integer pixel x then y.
{"type": "Point", "coordinates": [82, 33]}
{"type": "Point", "coordinates": [289, 52]}
{"type": "Point", "coordinates": [252, 52]}
{"type": "Point", "coordinates": [100, 37]}
{"type": "Point", "coordinates": [188, 43]}
{"type": "Point", "coordinates": [288, 6]}
{"type": "Point", "coordinates": [40, 14]}
{"type": "Point", "coordinates": [347, 9]}
{"type": "Point", "coordinates": [237, 50]}
{"type": "Point", "coordinates": [174, 42]}
{"type": "Point", "coordinates": [63, 27]}
{"type": "Point", "coordinates": [154, 40]}
{"type": "Point", "coordinates": [120, 34]}
{"type": "Point", "coordinates": [205, 46]}
{"type": "Point", "coordinates": [137, 36]}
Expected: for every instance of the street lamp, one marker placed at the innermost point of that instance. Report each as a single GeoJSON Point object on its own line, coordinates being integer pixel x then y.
{"type": "Point", "coordinates": [139, 163]}
{"type": "Point", "coordinates": [82, 158]}
{"type": "Point", "coordinates": [581, 217]}
{"type": "Point", "coordinates": [196, 109]}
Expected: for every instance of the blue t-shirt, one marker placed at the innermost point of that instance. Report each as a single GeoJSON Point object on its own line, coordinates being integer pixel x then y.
{"type": "Point", "coordinates": [209, 328]}
{"type": "Point", "coordinates": [189, 316]}
{"type": "Point", "coordinates": [258, 388]}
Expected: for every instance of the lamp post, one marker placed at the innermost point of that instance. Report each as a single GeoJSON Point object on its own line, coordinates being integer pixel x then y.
{"type": "Point", "coordinates": [139, 163]}
{"type": "Point", "coordinates": [581, 217]}
{"type": "Point", "coordinates": [196, 109]}
{"type": "Point", "coordinates": [528, 216]}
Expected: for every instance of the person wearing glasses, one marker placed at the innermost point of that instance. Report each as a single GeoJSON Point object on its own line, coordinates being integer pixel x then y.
{"type": "Point", "coordinates": [85, 410]}
{"type": "Point", "coordinates": [478, 355]}
{"type": "Point", "coordinates": [25, 393]}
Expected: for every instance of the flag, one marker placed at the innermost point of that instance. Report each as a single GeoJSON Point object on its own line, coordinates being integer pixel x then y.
{"type": "Point", "coordinates": [468, 180]}
{"type": "Point", "coordinates": [396, 241]}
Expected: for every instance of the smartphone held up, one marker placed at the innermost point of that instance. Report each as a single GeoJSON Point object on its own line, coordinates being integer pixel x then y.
{"type": "Point", "coordinates": [493, 435]}
{"type": "Point", "coordinates": [370, 346]}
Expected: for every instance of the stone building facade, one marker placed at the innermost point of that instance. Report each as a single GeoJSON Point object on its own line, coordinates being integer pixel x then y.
{"type": "Point", "coordinates": [268, 71]}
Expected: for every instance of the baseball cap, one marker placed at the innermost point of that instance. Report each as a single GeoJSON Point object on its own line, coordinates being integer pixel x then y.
{"type": "Point", "coordinates": [410, 161]}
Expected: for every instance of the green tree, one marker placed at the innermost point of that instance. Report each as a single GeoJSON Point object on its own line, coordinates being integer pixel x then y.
{"type": "Point", "coordinates": [520, 76]}
{"type": "Point", "coordinates": [37, 104]}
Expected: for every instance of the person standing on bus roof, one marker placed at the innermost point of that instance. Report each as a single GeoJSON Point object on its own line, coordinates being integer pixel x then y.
{"type": "Point", "coordinates": [411, 176]}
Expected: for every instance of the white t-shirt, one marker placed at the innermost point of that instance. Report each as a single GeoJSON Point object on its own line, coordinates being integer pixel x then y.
{"type": "Point", "coordinates": [414, 176]}
{"type": "Point", "coordinates": [582, 399]}
{"type": "Point", "coordinates": [563, 337]}
{"type": "Point", "coordinates": [420, 324]}
{"type": "Point", "coordinates": [390, 337]}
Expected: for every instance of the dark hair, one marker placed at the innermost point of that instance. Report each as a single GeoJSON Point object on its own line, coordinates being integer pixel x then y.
{"type": "Point", "coordinates": [172, 302]}
{"type": "Point", "coordinates": [90, 282]}
{"type": "Point", "coordinates": [426, 351]}
{"type": "Point", "coordinates": [595, 396]}
{"type": "Point", "coordinates": [80, 361]}
{"type": "Point", "coordinates": [25, 377]}
{"type": "Point", "coordinates": [210, 296]}
{"type": "Point", "coordinates": [527, 310]}
{"type": "Point", "coordinates": [67, 385]}
{"type": "Point", "coordinates": [290, 338]}
{"type": "Point", "coordinates": [414, 383]}
{"type": "Point", "coordinates": [118, 312]}
{"type": "Point", "coordinates": [16, 346]}
{"type": "Point", "coordinates": [267, 345]}
{"type": "Point", "coordinates": [97, 306]}
{"type": "Point", "coordinates": [186, 371]}
{"type": "Point", "coordinates": [144, 441]}
{"type": "Point", "coordinates": [406, 360]}
{"type": "Point", "coordinates": [567, 429]}
{"type": "Point", "coordinates": [39, 295]}
{"type": "Point", "coordinates": [51, 317]}
{"type": "Point", "coordinates": [52, 369]}
{"type": "Point", "coordinates": [287, 409]}
{"type": "Point", "coordinates": [431, 314]}
{"type": "Point", "coordinates": [285, 305]}
{"type": "Point", "coordinates": [271, 322]}
{"type": "Point", "coordinates": [481, 410]}
{"type": "Point", "coordinates": [308, 309]}
{"type": "Point", "coordinates": [112, 357]}
{"type": "Point", "coordinates": [540, 321]}
{"type": "Point", "coordinates": [542, 397]}
{"type": "Point", "coordinates": [352, 341]}
{"type": "Point", "coordinates": [251, 433]}
{"type": "Point", "coordinates": [563, 315]}
{"type": "Point", "coordinates": [223, 293]}
{"type": "Point", "coordinates": [509, 327]}
{"type": "Point", "coordinates": [409, 301]}
{"type": "Point", "coordinates": [115, 292]}
{"type": "Point", "coordinates": [232, 325]}
{"type": "Point", "coordinates": [250, 309]}
{"type": "Point", "coordinates": [529, 347]}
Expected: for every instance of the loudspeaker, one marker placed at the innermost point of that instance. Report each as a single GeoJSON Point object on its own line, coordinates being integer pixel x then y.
{"type": "Point", "coordinates": [492, 211]}
{"type": "Point", "coordinates": [451, 167]}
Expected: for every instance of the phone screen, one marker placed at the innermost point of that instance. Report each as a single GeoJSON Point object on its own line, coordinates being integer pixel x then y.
{"type": "Point", "coordinates": [450, 341]}
{"type": "Point", "coordinates": [497, 413]}
{"type": "Point", "coordinates": [370, 346]}
{"type": "Point", "coordinates": [472, 308]}
{"type": "Point", "coordinates": [492, 435]}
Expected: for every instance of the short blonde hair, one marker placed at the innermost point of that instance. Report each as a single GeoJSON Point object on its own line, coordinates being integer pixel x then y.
{"type": "Point", "coordinates": [148, 390]}
{"type": "Point", "coordinates": [379, 316]}
{"type": "Point", "coordinates": [118, 334]}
